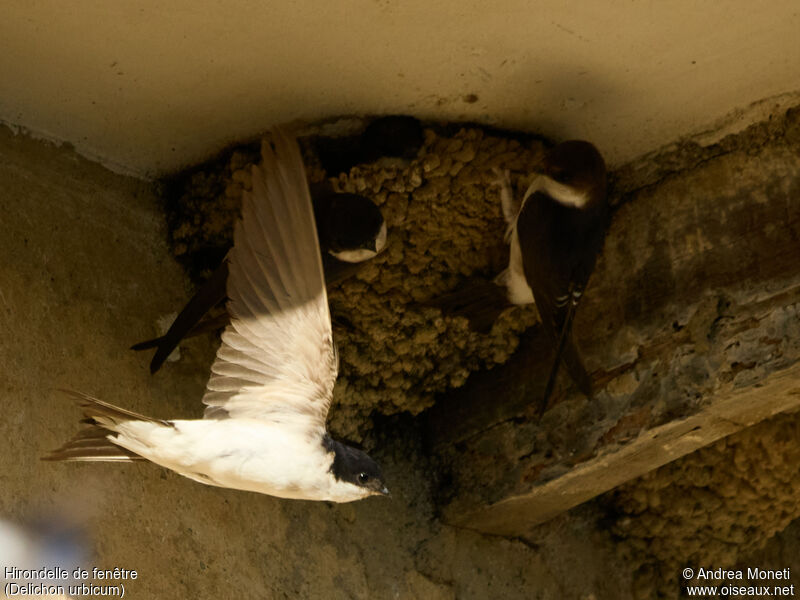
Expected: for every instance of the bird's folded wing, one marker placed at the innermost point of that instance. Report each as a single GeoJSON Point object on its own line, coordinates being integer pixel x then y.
{"type": "Point", "coordinates": [277, 359]}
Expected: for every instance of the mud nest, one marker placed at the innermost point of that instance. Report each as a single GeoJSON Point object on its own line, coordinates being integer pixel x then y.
{"type": "Point", "coordinates": [445, 225]}
{"type": "Point", "coordinates": [712, 507]}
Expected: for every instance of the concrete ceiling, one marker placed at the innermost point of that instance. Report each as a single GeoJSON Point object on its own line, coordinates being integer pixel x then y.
{"type": "Point", "coordinates": [147, 86]}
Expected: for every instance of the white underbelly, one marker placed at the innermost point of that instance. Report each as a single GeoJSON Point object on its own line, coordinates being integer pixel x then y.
{"type": "Point", "coordinates": [237, 454]}
{"type": "Point", "coordinates": [519, 292]}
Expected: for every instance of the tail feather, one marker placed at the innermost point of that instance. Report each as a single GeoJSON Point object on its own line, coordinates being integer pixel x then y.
{"type": "Point", "coordinates": [562, 340]}
{"type": "Point", "coordinates": [566, 351]}
{"type": "Point", "coordinates": [194, 318]}
{"type": "Point", "coordinates": [207, 325]}
{"type": "Point", "coordinates": [147, 344]}
{"type": "Point", "coordinates": [211, 293]}
{"type": "Point", "coordinates": [96, 441]}
{"type": "Point", "coordinates": [95, 409]}
{"type": "Point", "coordinates": [93, 444]}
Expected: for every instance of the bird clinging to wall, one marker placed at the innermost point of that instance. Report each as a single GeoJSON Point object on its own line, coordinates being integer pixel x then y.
{"type": "Point", "coordinates": [555, 234]}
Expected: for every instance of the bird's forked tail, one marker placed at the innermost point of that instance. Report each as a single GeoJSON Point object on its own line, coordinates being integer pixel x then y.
{"type": "Point", "coordinates": [95, 442]}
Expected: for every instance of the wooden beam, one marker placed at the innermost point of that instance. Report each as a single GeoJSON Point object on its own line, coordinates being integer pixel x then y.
{"type": "Point", "coordinates": [690, 327]}
{"type": "Point", "coordinates": [730, 411]}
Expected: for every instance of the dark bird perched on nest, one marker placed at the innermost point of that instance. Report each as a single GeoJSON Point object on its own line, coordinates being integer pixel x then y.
{"type": "Point", "coordinates": [555, 234]}
{"type": "Point", "coordinates": [350, 229]}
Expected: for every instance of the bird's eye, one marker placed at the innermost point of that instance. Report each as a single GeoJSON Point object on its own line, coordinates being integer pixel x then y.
{"type": "Point", "coordinates": [363, 478]}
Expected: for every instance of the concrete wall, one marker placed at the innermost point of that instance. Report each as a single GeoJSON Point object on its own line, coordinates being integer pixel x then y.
{"type": "Point", "coordinates": [148, 86]}
{"type": "Point", "coordinates": [86, 272]}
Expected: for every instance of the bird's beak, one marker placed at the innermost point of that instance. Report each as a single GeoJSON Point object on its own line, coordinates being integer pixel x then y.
{"type": "Point", "coordinates": [385, 491]}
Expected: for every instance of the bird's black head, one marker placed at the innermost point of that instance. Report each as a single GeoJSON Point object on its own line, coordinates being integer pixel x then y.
{"type": "Point", "coordinates": [355, 227]}
{"type": "Point", "coordinates": [577, 164]}
{"type": "Point", "coordinates": [353, 466]}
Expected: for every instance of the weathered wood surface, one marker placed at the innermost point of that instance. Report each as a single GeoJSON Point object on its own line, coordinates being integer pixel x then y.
{"type": "Point", "coordinates": [690, 327]}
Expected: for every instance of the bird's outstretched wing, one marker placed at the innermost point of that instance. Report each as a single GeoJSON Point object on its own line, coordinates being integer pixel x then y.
{"type": "Point", "coordinates": [277, 360]}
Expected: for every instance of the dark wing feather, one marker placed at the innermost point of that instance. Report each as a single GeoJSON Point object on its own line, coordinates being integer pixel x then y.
{"type": "Point", "coordinates": [565, 242]}
{"type": "Point", "coordinates": [208, 295]}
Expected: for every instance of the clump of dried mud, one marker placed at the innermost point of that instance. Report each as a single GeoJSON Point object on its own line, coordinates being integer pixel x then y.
{"type": "Point", "coordinates": [445, 224]}
{"type": "Point", "coordinates": [202, 208]}
{"type": "Point", "coordinates": [711, 508]}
